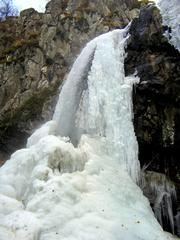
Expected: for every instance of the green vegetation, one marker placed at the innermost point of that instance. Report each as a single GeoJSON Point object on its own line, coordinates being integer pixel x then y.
{"type": "Point", "coordinates": [146, 1]}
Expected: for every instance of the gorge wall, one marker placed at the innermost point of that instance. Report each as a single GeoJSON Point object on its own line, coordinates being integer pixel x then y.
{"type": "Point", "coordinates": [156, 97]}
{"type": "Point", "coordinates": [38, 49]}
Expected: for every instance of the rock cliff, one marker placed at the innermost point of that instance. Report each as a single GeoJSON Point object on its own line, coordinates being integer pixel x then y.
{"type": "Point", "coordinates": [36, 52]}
{"type": "Point", "coordinates": [156, 97]}
{"type": "Point", "coordinates": [38, 49]}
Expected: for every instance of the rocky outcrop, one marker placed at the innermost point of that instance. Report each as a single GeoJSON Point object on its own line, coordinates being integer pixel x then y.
{"type": "Point", "coordinates": [37, 51]}
{"type": "Point", "coordinates": [156, 97]}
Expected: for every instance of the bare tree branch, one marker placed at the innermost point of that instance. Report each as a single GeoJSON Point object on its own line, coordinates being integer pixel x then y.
{"type": "Point", "coordinates": [7, 8]}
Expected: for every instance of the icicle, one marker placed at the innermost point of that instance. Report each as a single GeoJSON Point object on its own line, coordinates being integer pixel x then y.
{"type": "Point", "coordinates": [162, 194]}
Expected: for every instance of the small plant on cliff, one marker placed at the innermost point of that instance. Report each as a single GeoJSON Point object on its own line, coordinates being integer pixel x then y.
{"type": "Point", "coordinates": [146, 1]}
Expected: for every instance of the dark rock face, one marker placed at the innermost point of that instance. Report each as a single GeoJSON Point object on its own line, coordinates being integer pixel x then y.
{"type": "Point", "coordinates": [36, 52]}
{"type": "Point", "coordinates": [156, 97]}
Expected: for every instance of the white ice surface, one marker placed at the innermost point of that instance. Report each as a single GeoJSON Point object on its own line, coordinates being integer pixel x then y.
{"type": "Point", "coordinates": [95, 199]}
{"type": "Point", "coordinates": [49, 128]}
{"type": "Point", "coordinates": [170, 11]}
{"type": "Point", "coordinates": [54, 191]}
{"type": "Point", "coordinates": [99, 102]}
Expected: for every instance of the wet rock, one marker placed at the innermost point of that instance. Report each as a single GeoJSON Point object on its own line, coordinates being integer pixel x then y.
{"type": "Point", "coordinates": [156, 97]}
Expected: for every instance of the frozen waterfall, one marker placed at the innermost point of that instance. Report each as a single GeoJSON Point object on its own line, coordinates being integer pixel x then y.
{"type": "Point", "coordinates": [55, 190]}
{"type": "Point", "coordinates": [99, 102]}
